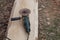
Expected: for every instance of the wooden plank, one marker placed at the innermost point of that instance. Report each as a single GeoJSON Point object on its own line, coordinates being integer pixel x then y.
{"type": "Point", "coordinates": [16, 30]}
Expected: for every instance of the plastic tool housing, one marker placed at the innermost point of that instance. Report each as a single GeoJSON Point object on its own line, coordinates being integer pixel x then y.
{"type": "Point", "coordinates": [25, 15]}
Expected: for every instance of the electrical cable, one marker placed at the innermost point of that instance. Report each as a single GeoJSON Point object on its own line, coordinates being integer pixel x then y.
{"type": "Point", "coordinates": [28, 36]}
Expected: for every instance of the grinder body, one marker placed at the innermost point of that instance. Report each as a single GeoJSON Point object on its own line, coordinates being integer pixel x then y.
{"type": "Point", "coordinates": [26, 23]}
{"type": "Point", "coordinates": [25, 15]}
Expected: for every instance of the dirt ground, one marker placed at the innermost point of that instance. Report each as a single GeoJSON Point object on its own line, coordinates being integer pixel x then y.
{"type": "Point", "coordinates": [5, 11]}
{"type": "Point", "coordinates": [49, 19]}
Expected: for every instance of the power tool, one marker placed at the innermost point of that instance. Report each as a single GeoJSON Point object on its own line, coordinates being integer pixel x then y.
{"type": "Point", "coordinates": [25, 16]}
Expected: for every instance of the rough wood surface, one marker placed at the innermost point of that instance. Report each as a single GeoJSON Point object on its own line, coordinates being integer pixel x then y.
{"type": "Point", "coordinates": [16, 29]}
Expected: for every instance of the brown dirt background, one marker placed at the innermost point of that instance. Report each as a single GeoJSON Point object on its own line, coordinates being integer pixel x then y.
{"type": "Point", "coordinates": [49, 19]}
{"type": "Point", "coordinates": [5, 11]}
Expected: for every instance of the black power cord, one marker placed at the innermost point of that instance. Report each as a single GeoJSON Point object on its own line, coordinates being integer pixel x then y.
{"type": "Point", "coordinates": [28, 36]}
